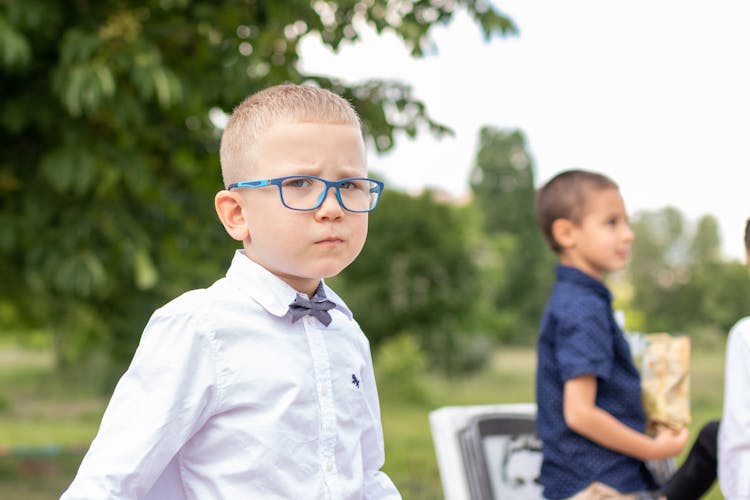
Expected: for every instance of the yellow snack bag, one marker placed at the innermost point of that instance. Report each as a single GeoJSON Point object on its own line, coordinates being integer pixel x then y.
{"type": "Point", "coordinates": [664, 363]}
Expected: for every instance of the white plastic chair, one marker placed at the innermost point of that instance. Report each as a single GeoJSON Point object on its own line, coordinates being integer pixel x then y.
{"type": "Point", "coordinates": [487, 452]}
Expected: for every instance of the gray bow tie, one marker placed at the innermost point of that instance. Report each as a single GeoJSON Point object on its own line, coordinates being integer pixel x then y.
{"type": "Point", "coordinates": [318, 307]}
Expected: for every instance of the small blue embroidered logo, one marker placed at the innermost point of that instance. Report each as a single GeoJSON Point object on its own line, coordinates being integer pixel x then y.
{"type": "Point", "coordinates": [355, 380]}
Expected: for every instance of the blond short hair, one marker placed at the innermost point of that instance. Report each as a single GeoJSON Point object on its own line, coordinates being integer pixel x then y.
{"type": "Point", "coordinates": [281, 103]}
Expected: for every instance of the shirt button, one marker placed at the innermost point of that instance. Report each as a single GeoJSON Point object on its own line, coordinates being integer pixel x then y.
{"type": "Point", "coordinates": [324, 391]}
{"type": "Point", "coordinates": [329, 466]}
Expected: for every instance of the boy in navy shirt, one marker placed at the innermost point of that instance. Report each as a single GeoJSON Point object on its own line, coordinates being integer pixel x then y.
{"type": "Point", "coordinates": [590, 415]}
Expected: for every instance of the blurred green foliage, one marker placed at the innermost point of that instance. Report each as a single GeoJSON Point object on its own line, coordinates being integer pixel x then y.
{"type": "Point", "coordinates": [109, 160]}
{"type": "Point", "coordinates": [401, 369]}
{"type": "Point", "coordinates": [108, 167]}
{"type": "Point", "coordinates": [503, 182]}
{"type": "Point", "coordinates": [681, 283]}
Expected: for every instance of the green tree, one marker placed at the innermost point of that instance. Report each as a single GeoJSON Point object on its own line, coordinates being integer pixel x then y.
{"type": "Point", "coordinates": [706, 245]}
{"type": "Point", "coordinates": [109, 150]}
{"type": "Point", "coordinates": [681, 283]}
{"type": "Point", "coordinates": [502, 181]}
{"type": "Point", "coordinates": [724, 287]}
{"type": "Point", "coordinates": [658, 266]}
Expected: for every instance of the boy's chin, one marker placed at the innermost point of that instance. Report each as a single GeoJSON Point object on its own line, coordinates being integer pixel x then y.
{"type": "Point", "coordinates": [330, 274]}
{"type": "Point", "coordinates": [331, 269]}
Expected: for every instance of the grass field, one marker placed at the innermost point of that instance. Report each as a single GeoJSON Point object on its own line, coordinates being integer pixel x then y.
{"type": "Point", "coordinates": [46, 420]}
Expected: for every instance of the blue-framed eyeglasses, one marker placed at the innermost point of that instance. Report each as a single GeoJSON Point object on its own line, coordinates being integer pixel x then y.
{"type": "Point", "coordinates": [305, 192]}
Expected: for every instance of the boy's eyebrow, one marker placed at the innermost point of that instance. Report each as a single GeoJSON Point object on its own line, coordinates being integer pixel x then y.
{"type": "Point", "coordinates": [346, 171]}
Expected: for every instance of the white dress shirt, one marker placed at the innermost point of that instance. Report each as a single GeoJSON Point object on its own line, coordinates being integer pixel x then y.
{"type": "Point", "coordinates": [734, 431]}
{"type": "Point", "coordinates": [226, 398]}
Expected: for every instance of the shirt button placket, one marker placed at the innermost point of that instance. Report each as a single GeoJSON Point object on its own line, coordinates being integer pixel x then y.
{"type": "Point", "coordinates": [322, 369]}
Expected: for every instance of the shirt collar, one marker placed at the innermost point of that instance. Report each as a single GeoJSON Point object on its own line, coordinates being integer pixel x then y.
{"type": "Point", "coordinates": [577, 277]}
{"type": "Point", "coordinates": [268, 290]}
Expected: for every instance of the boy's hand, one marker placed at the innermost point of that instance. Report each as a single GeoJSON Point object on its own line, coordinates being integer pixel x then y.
{"type": "Point", "coordinates": [584, 417]}
{"type": "Point", "coordinates": [669, 442]}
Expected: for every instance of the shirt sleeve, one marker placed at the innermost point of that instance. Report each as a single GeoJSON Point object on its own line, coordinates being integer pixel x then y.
{"type": "Point", "coordinates": [584, 345]}
{"type": "Point", "coordinates": [166, 394]}
{"type": "Point", "coordinates": [377, 485]}
{"type": "Point", "coordinates": [734, 431]}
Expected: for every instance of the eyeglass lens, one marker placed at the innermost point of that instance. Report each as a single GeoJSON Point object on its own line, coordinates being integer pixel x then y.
{"type": "Point", "coordinates": [306, 193]}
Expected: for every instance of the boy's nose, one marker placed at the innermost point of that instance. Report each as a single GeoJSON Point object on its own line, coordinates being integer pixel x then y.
{"type": "Point", "coordinates": [330, 206]}
{"type": "Point", "coordinates": [628, 235]}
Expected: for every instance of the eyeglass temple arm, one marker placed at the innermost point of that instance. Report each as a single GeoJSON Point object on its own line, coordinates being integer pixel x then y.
{"type": "Point", "coordinates": [250, 184]}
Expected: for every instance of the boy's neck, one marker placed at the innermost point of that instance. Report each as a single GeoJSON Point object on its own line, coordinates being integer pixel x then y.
{"type": "Point", "coordinates": [570, 262]}
{"type": "Point", "coordinates": [308, 288]}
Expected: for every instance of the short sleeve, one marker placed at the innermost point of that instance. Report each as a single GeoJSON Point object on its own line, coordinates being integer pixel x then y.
{"type": "Point", "coordinates": [585, 345]}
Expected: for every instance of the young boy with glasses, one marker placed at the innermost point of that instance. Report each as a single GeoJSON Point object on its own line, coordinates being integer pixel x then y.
{"type": "Point", "coordinates": [261, 385]}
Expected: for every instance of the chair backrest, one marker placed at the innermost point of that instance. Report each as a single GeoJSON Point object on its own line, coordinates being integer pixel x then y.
{"type": "Point", "coordinates": [487, 452]}
{"type": "Point", "coordinates": [502, 457]}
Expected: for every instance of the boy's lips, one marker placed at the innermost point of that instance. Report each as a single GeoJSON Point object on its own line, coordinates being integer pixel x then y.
{"type": "Point", "coordinates": [330, 240]}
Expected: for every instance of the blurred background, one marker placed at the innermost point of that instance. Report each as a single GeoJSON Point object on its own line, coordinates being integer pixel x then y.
{"type": "Point", "coordinates": [109, 129]}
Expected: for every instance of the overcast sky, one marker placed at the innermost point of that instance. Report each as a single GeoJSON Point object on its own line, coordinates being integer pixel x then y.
{"type": "Point", "coordinates": [655, 94]}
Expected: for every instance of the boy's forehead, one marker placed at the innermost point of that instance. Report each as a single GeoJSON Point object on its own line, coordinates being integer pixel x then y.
{"type": "Point", "coordinates": [597, 199]}
{"type": "Point", "coordinates": [288, 147]}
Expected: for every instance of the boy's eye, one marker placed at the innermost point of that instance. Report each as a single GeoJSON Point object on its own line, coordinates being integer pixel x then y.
{"type": "Point", "coordinates": [353, 184]}
{"type": "Point", "coordinates": [298, 182]}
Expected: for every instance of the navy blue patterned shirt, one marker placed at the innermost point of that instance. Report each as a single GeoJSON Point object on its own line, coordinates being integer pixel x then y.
{"type": "Point", "coordinates": [579, 336]}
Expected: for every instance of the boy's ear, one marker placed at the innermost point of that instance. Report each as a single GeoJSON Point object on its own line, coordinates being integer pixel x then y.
{"type": "Point", "coordinates": [562, 231]}
{"type": "Point", "coordinates": [232, 214]}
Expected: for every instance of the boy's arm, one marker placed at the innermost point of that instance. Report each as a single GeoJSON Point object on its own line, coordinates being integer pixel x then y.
{"type": "Point", "coordinates": [584, 417]}
{"type": "Point", "coordinates": [377, 485]}
{"type": "Point", "coordinates": [158, 403]}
